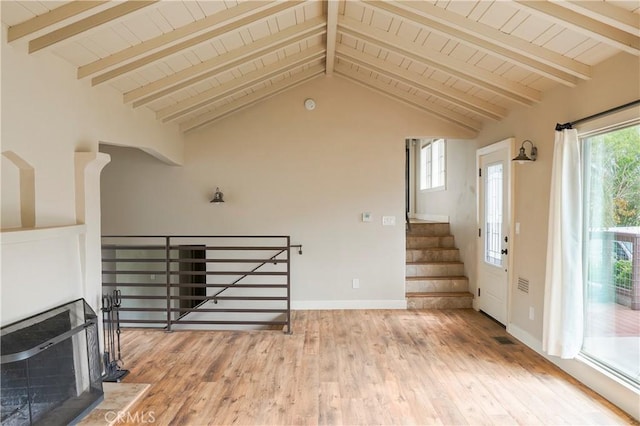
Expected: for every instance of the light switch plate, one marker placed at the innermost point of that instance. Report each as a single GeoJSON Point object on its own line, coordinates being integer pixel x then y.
{"type": "Point", "coordinates": [388, 220]}
{"type": "Point", "coordinates": [366, 217]}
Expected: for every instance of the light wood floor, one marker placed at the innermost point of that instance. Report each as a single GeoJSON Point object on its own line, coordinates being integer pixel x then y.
{"type": "Point", "coordinates": [356, 367]}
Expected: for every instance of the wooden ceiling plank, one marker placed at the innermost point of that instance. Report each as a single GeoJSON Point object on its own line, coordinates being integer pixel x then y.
{"type": "Point", "coordinates": [460, 69]}
{"type": "Point", "coordinates": [234, 58]}
{"type": "Point", "coordinates": [499, 38]}
{"type": "Point", "coordinates": [585, 25]}
{"type": "Point", "coordinates": [149, 46]}
{"type": "Point", "coordinates": [509, 48]}
{"type": "Point", "coordinates": [249, 100]}
{"type": "Point", "coordinates": [446, 93]}
{"type": "Point", "coordinates": [229, 28]}
{"type": "Point", "coordinates": [332, 31]}
{"type": "Point", "coordinates": [54, 16]}
{"type": "Point", "coordinates": [409, 99]}
{"type": "Point", "coordinates": [260, 75]}
{"type": "Point", "coordinates": [218, 70]}
{"type": "Point", "coordinates": [613, 16]}
{"type": "Point", "coordinates": [119, 11]}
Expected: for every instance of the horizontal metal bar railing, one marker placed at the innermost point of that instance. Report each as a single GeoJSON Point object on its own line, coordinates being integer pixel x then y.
{"type": "Point", "coordinates": [119, 284]}
{"type": "Point", "coordinates": [270, 311]}
{"type": "Point", "coordinates": [165, 280]}
{"type": "Point", "coordinates": [156, 260]}
{"type": "Point", "coordinates": [203, 298]}
{"type": "Point", "coordinates": [146, 272]}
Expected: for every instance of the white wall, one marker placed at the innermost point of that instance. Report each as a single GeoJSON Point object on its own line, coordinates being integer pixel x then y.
{"type": "Point", "coordinates": [48, 116]}
{"type": "Point", "coordinates": [286, 170]}
{"type": "Point", "coordinates": [457, 201]}
{"type": "Point", "coordinates": [614, 82]}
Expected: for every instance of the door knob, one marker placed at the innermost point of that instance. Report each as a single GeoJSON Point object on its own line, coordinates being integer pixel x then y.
{"type": "Point", "coordinates": [504, 251]}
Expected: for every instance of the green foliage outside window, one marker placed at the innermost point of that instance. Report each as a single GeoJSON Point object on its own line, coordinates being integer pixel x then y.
{"type": "Point", "coordinates": [616, 202]}
{"type": "Point", "coordinates": [622, 274]}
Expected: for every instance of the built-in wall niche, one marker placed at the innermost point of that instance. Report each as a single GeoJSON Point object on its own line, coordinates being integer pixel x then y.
{"type": "Point", "coordinates": [18, 192]}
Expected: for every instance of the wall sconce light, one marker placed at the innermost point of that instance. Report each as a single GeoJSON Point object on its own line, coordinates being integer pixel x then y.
{"type": "Point", "coordinates": [217, 197]}
{"type": "Point", "coordinates": [522, 157]}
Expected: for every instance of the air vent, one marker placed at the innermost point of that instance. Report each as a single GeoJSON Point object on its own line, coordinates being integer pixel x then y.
{"type": "Point", "coordinates": [503, 340]}
{"type": "Point", "coordinates": [523, 285]}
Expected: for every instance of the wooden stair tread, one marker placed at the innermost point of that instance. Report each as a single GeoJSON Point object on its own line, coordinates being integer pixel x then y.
{"type": "Point", "coordinates": [436, 277]}
{"type": "Point", "coordinates": [426, 222]}
{"type": "Point", "coordinates": [434, 249]}
{"type": "Point", "coordinates": [434, 270]}
{"type": "Point", "coordinates": [441, 294]}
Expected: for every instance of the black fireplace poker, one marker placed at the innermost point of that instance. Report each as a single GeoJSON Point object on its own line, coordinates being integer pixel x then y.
{"type": "Point", "coordinates": [111, 333]}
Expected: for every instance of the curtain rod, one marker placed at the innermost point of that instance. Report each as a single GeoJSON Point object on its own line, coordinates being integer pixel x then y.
{"type": "Point", "coordinates": [570, 125]}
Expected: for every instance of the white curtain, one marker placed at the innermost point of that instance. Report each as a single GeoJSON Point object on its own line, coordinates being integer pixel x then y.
{"type": "Point", "coordinates": [563, 292]}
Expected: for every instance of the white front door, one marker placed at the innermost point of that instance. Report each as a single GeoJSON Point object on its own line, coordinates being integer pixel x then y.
{"type": "Point", "coordinates": [494, 164]}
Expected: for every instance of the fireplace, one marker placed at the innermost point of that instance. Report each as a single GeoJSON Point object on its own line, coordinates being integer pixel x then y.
{"type": "Point", "coordinates": [50, 367]}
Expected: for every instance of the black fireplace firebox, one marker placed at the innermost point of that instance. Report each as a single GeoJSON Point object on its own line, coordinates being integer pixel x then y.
{"type": "Point", "coordinates": [50, 368]}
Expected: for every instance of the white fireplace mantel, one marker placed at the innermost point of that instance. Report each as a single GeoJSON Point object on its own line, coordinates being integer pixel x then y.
{"type": "Point", "coordinates": [24, 235]}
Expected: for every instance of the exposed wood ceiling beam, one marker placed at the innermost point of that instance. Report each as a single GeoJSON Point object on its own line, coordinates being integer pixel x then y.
{"type": "Point", "coordinates": [218, 93]}
{"type": "Point", "coordinates": [154, 44]}
{"type": "Point", "coordinates": [446, 93]}
{"type": "Point", "coordinates": [332, 32]}
{"type": "Point", "coordinates": [486, 39]}
{"type": "Point", "coordinates": [409, 99]}
{"type": "Point", "coordinates": [493, 37]}
{"type": "Point", "coordinates": [227, 61]}
{"type": "Point", "coordinates": [202, 38]}
{"type": "Point", "coordinates": [88, 23]}
{"type": "Point", "coordinates": [477, 76]}
{"type": "Point", "coordinates": [54, 16]}
{"type": "Point", "coordinates": [584, 25]}
{"type": "Point", "coordinates": [249, 100]}
{"type": "Point", "coordinates": [613, 16]}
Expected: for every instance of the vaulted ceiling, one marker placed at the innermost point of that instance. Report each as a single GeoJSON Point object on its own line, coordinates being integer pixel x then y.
{"type": "Point", "coordinates": [195, 62]}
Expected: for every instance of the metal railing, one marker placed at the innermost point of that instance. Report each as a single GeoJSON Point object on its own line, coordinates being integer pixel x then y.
{"type": "Point", "coordinates": [614, 264]}
{"type": "Point", "coordinates": [200, 282]}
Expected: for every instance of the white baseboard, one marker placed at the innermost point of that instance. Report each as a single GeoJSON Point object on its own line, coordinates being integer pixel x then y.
{"type": "Point", "coordinates": [525, 338]}
{"type": "Point", "coordinates": [615, 390]}
{"type": "Point", "coordinates": [308, 305]}
{"type": "Point", "coordinates": [431, 217]}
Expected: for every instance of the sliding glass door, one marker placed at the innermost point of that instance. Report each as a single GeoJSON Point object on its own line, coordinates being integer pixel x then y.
{"type": "Point", "coordinates": [612, 249]}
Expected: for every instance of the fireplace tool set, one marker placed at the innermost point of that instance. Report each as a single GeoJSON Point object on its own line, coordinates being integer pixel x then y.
{"type": "Point", "coordinates": [111, 329]}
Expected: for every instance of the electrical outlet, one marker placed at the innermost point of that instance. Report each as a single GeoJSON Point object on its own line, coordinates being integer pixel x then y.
{"type": "Point", "coordinates": [531, 313]}
{"type": "Point", "coordinates": [388, 220]}
{"type": "Point", "coordinates": [355, 283]}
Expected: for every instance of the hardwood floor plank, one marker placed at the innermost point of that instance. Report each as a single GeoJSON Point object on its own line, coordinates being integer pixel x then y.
{"type": "Point", "coordinates": [330, 404]}
{"type": "Point", "coordinates": [360, 368]}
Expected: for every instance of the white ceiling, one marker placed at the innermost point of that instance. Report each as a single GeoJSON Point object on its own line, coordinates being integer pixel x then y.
{"type": "Point", "coordinates": [195, 62]}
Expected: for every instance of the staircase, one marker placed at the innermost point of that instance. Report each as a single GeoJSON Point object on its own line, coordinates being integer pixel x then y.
{"type": "Point", "coordinates": [434, 273]}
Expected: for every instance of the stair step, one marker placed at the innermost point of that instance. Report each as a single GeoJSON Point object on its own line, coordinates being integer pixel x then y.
{"type": "Point", "coordinates": [420, 242]}
{"type": "Point", "coordinates": [436, 284]}
{"type": "Point", "coordinates": [440, 300]}
{"type": "Point", "coordinates": [435, 269]}
{"type": "Point", "coordinates": [434, 254]}
{"type": "Point", "coordinates": [430, 229]}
